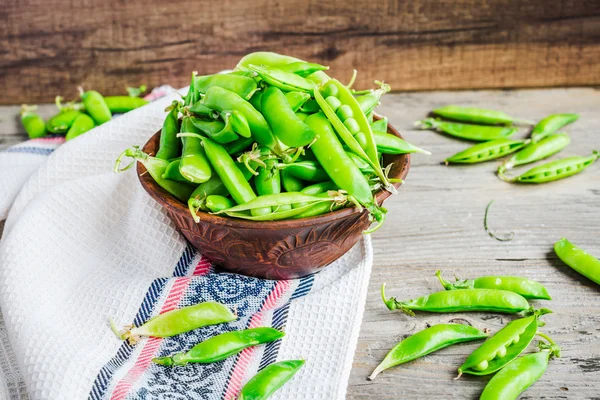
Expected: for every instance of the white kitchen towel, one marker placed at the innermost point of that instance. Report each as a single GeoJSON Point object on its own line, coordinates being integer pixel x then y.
{"type": "Point", "coordinates": [82, 244]}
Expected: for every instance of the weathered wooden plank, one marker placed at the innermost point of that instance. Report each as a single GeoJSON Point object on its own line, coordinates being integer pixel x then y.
{"type": "Point", "coordinates": [49, 49]}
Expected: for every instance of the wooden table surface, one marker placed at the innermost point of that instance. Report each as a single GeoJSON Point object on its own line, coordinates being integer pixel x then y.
{"type": "Point", "coordinates": [436, 221]}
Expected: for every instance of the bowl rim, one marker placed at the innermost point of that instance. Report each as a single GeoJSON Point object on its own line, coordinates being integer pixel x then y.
{"type": "Point", "coordinates": [177, 207]}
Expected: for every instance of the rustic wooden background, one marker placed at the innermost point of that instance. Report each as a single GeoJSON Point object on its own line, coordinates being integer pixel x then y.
{"type": "Point", "coordinates": [49, 47]}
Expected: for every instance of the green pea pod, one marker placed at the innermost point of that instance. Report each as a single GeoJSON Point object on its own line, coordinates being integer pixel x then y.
{"type": "Point", "coordinates": [277, 199]}
{"type": "Point", "coordinates": [427, 341]}
{"type": "Point", "coordinates": [238, 146]}
{"type": "Point", "coordinates": [536, 151]}
{"type": "Point", "coordinates": [222, 346]}
{"type": "Point", "coordinates": [172, 172]}
{"type": "Point", "coordinates": [369, 101]}
{"type": "Point", "coordinates": [527, 288]}
{"type": "Point", "coordinates": [220, 132]}
{"type": "Point", "coordinates": [95, 106]}
{"type": "Point", "coordinates": [239, 123]}
{"type": "Point", "coordinates": [81, 125]}
{"type": "Point", "coordinates": [315, 189]}
{"type": "Point", "coordinates": [216, 203]}
{"type": "Point", "coordinates": [34, 124]}
{"type": "Point", "coordinates": [256, 100]}
{"type": "Point", "coordinates": [305, 170]}
{"type": "Point", "coordinates": [268, 180]}
{"type": "Point", "coordinates": [311, 106]}
{"type": "Point", "coordinates": [156, 168]}
{"type": "Point", "coordinates": [221, 100]}
{"type": "Point", "coordinates": [296, 99]}
{"type": "Point", "coordinates": [391, 144]}
{"type": "Point", "coordinates": [262, 385]}
{"type": "Point", "coordinates": [502, 348]}
{"type": "Point", "coordinates": [244, 86]}
{"type": "Point", "coordinates": [286, 81]}
{"type": "Point", "coordinates": [381, 125]}
{"type": "Point", "coordinates": [291, 183]}
{"type": "Point", "coordinates": [551, 124]}
{"type": "Point", "coordinates": [199, 108]}
{"type": "Point", "coordinates": [501, 301]}
{"type": "Point", "coordinates": [178, 321]}
{"type": "Point", "coordinates": [478, 115]}
{"type": "Point", "coordinates": [476, 133]}
{"type": "Point", "coordinates": [578, 259]}
{"type": "Point", "coordinates": [213, 186]}
{"type": "Point", "coordinates": [302, 68]}
{"type": "Point", "coordinates": [192, 95]}
{"type": "Point", "coordinates": [271, 59]}
{"type": "Point", "coordinates": [486, 151]}
{"type": "Point", "coordinates": [230, 174]}
{"type": "Point", "coordinates": [555, 170]}
{"type": "Point", "coordinates": [369, 151]}
{"type": "Point", "coordinates": [124, 104]}
{"type": "Point", "coordinates": [362, 165]}
{"type": "Point", "coordinates": [61, 122]}
{"type": "Point", "coordinates": [340, 167]}
{"type": "Point", "coordinates": [279, 213]}
{"type": "Point", "coordinates": [283, 121]}
{"type": "Point", "coordinates": [318, 209]}
{"type": "Point", "coordinates": [194, 164]}
{"type": "Point", "coordinates": [170, 145]}
{"type": "Point", "coordinates": [517, 376]}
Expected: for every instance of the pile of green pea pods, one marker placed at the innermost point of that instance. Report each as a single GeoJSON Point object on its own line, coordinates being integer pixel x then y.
{"type": "Point", "coordinates": [493, 129]}
{"type": "Point", "coordinates": [501, 353]}
{"type": "Point", "coordinates": [275, 139]}
{"type": "Point", "coordinates": [76, 118]}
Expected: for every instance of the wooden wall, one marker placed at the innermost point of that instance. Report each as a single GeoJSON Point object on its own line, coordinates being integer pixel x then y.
{"type": "Point", "coordinates": [49, 47]}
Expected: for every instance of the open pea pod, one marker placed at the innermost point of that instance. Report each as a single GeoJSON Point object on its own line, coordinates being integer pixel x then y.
{"type": "Point", "coordinates": [503, 347]}
{"type": "Point", "coordinates": [346, 136]}
{"type": "Point", "coordinates": [271, 59]}
{"type": "Point", "coordinates": [286, 81]}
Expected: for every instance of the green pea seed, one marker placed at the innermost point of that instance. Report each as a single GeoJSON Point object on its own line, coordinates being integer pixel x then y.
{"type": "Point", "coordinates": [333, 102]}
{"type": "Point", "coordinates": [501, 352]}
{"type": "Point", "coordinates": [352, 125]}
{"type": "Point", "coordinates": [481, 366]}
{"type": "Point", "coordinates": [344, 112]}
{"type": "Point", "coordinates": [330, 90]}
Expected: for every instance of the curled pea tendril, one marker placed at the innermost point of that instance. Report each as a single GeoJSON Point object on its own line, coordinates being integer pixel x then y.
{"type": "Point", "coordinates": [506, 238]}
{"type": "Point", "coordinates": [253, 155]}
{"type": "Point", "coordinates": [135, 153]}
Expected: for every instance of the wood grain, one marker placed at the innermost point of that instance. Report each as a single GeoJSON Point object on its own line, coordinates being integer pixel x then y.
{"type": "Point", "coordinates": [48, 48]}
{"type": "Point", "coordinates": [436, 221]}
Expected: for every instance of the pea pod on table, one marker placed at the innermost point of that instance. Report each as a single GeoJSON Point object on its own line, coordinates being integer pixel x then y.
{"type": "Point", "coordinates": [463, 300]}
{"type": "Point", "coordinates": [478, 115]}
{"type": "Point", "coordinates": [502, 348]}
{"type": "Point", "coordinates": [551, 124]}
{"type": "Point", "coordinates": [61, 122]}
{"type": "Point", "coordinates": [486, 151]}
{"type": "Point", "coordinates": [124, 104]}
{"type": "Point", "coordinates": [475, 133]}
{"type": "Point", "coordinates": [270, 379]}
{"type": "Point", "coordinates": [527, 288]}
{"type": "Point", "coordinates": [156, 167]}
{"type": "Point", "coordinates": [578, 259]}
{"type": "Point", "coordinates": [555, 170]}
{"type": "Point", "coordinates": [222, 346]}
{"type": "Point", "coordinates": [95, 106]}
{"type": "Point", "coordinates": [519, 375]}
{"type": "Point", "coordinates": [427, 341]}
{"type": "Point", "coordinates": [178, 321]}
{"type": "Point", "coordinates": [536, 151]}
{"type": "Point", "coordinates": [34, 125]}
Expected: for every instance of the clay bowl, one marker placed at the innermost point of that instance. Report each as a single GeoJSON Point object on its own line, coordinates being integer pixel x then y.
{"type": "Point", "coordinates": [271, 250]}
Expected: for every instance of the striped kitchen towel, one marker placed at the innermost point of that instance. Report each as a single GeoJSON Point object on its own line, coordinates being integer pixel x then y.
{"type": "Point", "coordinates": [82, 244]}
